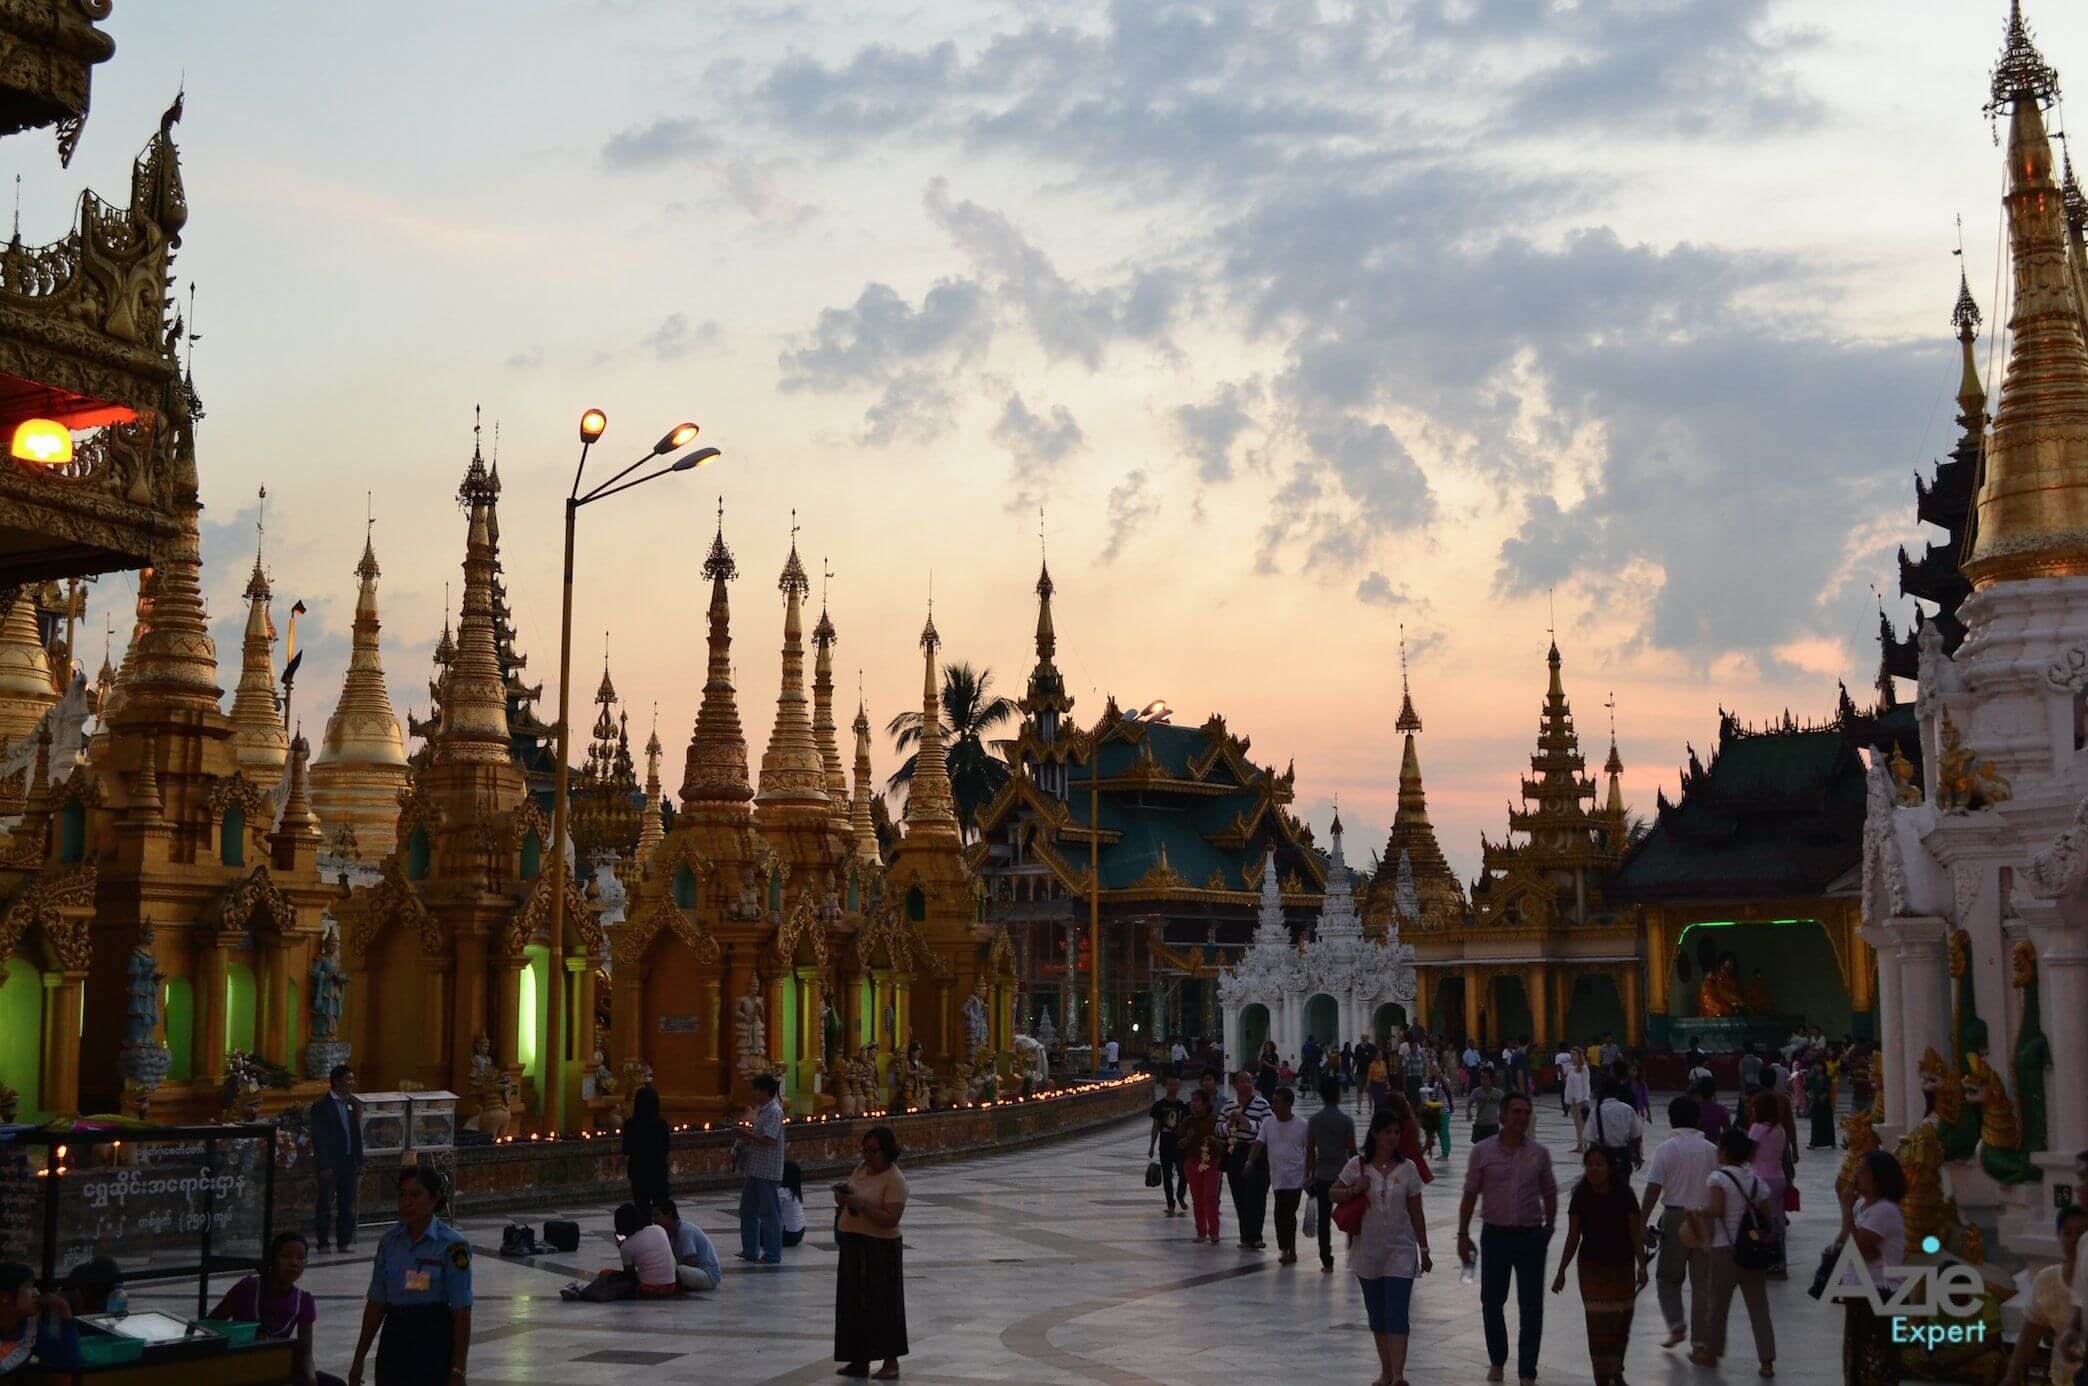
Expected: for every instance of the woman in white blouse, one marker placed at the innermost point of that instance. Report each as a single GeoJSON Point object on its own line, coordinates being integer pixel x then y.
{"type": "Point", "coordinates": [1392, 1247]}
{"type": "Point", "coordinates": [1578, 1091]}
{"type": "Point", "coordinates": [1870, 1214]}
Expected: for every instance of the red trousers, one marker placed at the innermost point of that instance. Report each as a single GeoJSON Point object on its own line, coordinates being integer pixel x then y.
{"type": "Point", "coordinates": [1204, 1183]}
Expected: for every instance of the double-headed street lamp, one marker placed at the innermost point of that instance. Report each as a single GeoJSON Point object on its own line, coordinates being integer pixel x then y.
{"type": "Point", "coordinates": [593, 424]}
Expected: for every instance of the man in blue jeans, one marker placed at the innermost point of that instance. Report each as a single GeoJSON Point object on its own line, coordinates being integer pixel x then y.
{"type": "Point", "coordinates": [761, 1217]}
{"type": "Point", "coordinates": [1511, 1176]}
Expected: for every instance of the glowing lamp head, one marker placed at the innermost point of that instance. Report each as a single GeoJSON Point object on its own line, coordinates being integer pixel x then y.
{"type": "Point", "coordinates": [593, 424]}
{"type": "Point", "coordinates": [45, 442]}
{"type": "Point", "coordinates": [678, 436]}
{"type": "Point", "coordinates": [694, 459]}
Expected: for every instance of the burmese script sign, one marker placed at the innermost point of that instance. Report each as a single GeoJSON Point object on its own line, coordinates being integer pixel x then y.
{"type": "Point", "coordinates": [678, 1025]}
{"type": "Point", "coordinates": [152, 1211]}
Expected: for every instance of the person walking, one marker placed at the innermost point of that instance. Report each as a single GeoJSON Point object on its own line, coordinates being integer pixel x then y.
{"type": "Point", "coordinates": [1330, 1142]}
{"type": "Point", "coordinates": [1616, 1128]}
{"type": "Point", "coordinates": [1485, 1103]}
{"type": "Point", "coordinates": [1819, 1099]}
{"type": "Point", "coordinates": [1203, 1162]}
{"type": "Point", "coordinates": [335, 1122]}
{"type": "Point", "coordinates": [1578, 1091]}
{"type": "Point", "coordinates": [1563, 1063]}
{"type": "Point", "coordinates": [1509, 1176]}
{"type": "Point", "coordinates": [1240, 1122]}
{"type": "Point", "coordinates": [1771, 1137]}
{"type": "Point", "coordinates": [1279, 1150]}
{"type": "Point", "coordinates": [1638, 1093]}
{"type": "Point", "coordinates": [1712, 1116]}
{"type": "Point", "coordinates": [1871, 1218]}
{"type": "Point", "coordinates": [1750, 1068]}
{"type": "Point", "coordinates": [1675, 1177]}
{"type": "Point", "coordinates": [1167, 1114]}
{"type": "Point", "coordinates": [1732, 1192]}
{"type": "Point", "coordinates": [1391, 1248]}
{"type": "Point", "coordinates": [645, 1148]}
{"type": "Point", "coordinates": [761, 1219]}
{"type": "Point", "coordinates": [1604, 1227]}
{"type": "Point", "coordinates": [1413, 1058]}
{"type": "Point", "coordinates": [1380, 1081]}
{"type": "Point", "coordinates": [420, 1292]}
{"type": "Point", "coordinates": [870, 1292]}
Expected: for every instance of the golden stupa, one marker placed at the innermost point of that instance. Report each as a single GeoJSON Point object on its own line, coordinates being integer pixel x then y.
{"type": "Point", "coordinates": [362, 759]}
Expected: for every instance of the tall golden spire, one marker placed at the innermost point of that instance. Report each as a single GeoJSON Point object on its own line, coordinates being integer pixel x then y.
{"type": "Point", "coordinates": [362, 757]}
{"type": "Point", "coordinates": [26, 689]}
{"type": "Point", "coordinates": [650, 828]}
{"type": "Point", "coordinates": [2033, 506]}
{"type": "Point", "coordinates": [1971, 396]}
{"type": "Point", "coordinates": [860, 821]}
{"type": "Point", "coordinates": [929, 804]}
{"type": "Point", "coordinates": [174, 662]}
{"type": "Point", "coordinates": [716, 769]}
{"type": "Point", "coordinates": [823, 735]}
{"type": "Point", "coordinates": [259, 742]}
{"type": "Point", "coordinates": [1614, 768]}
{"type": "Point", "coordinates": [792, 778]}
{"type": "Point", "coordinates": [474, 696]}
{"type": "Point", "coordinates": [1440, 893]}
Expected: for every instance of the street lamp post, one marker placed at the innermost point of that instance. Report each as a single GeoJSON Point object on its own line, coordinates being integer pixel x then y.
{"type": "Point", "coordinates": [593, 424]}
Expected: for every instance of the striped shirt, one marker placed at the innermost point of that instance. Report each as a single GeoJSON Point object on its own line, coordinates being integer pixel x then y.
{"type": "Point", "coordinates": [1257, 1111]}
{"type": "Point", "coordinates": [766, 1161]}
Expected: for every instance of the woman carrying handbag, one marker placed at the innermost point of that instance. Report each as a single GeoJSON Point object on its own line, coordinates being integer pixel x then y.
{"type": "Point", "coordinates": [1377, 1201]}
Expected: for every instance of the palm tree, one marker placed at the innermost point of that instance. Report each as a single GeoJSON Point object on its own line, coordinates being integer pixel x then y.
{"type": "Point", "coordinates": [969, 712]}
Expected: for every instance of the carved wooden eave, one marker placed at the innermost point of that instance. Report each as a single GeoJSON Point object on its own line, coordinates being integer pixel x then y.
{"type": "Point", "coordinates": [801, 932]}
{"type": "Point", "coordinates": [255, 802]}
{"type": "Point", "coordinates": [417, 809]}
{"type": "Point", "coordinates": [51, 48]}
{"type": "Point", "coordinates": [59, 903]}
{"type": "Point", "coordinates": [889, 941]}
{"type": "Point", "coordinates": [531, 920]}
{"type": "Point", "coordinates": [1020, 789]}
{"type": "Point", "coordinates": [83, 327]}
{"type": "Point", "coordinates": [1175, 960]}
{"type": "Point", "coordinates": [522, 820]}
{"type": "Point", "coordinates": [370, 910]}
{"type": "Point", "coordinates": [636, 936]}
{"type": "Point", "coordinates": [256, 902]}
{"type": "Point", "coordinates": [1000, 957]}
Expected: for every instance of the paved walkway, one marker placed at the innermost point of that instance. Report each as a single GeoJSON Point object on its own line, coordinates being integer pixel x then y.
{"type": "Point", "coordinates": [1055, 1265]}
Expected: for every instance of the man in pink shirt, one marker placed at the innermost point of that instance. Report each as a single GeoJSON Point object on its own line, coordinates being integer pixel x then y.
{"type": "Point", "coordinates": [1508, 1178]}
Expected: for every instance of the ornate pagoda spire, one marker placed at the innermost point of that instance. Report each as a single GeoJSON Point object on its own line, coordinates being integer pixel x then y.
{"type": "Point", "coordinates": [1413, 838]}
{"type": "Point", "coordinates": [298, 821]}
{"type": "Point", "coordinates": [650, 828]}
{"type": "Point", "coordinates": [1555, 817]}
{"type": "Point", "coordinates": [474, 726]}
{"type": "Point", "coordinates": [1047, 687]}
{"type": "Point", "coordinates": [1613, 807]}
{"type": "Point", "coordinates": [1971, 396]}
{"type": "Point", "coordinates": [1045, 703]}
{"type": "Point", "coordinates": [1270, 929]}
{"type": "Point", "coordinates": [792, 778]}
{"type": "Point", "coordinates": [2032, 518]}
{"type": "Point", "coordinates": [930, 809]}
{"type": "Point", "coordinates": [823, 735]}
{"type": "Point", "coordinates": [26, 689]}
{"type": "Point", "coordinates": [362, 757]}
{"type": "Point", "coordinates": [716, 768]}
{"type": "Point", "coordinates": [1337, 916]}
{"type": "Point", "coordinates": [174, 661]}
{"type": "Point", "coordinates": [860, 821]}
{"type": "Point", "coordinates": [259, 742]}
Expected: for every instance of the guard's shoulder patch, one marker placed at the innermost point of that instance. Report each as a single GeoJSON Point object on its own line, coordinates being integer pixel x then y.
{"type": "Point", "coordinates": [460, 1255]}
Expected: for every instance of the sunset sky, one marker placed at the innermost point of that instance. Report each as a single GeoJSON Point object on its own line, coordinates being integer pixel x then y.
{"type": "Point", "coordinates": [1302, 322]}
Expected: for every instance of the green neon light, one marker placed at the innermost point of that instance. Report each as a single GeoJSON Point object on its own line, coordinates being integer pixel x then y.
{"type": "Point", "coordinates": [1730, 923]}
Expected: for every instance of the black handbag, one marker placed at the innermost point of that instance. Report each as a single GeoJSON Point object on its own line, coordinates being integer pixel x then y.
{"type": "Point", "coordinates": [1152, 1174]}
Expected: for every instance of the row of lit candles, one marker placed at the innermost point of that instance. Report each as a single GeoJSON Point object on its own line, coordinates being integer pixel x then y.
{"type": "Point", "coordinates": [826, 1117]}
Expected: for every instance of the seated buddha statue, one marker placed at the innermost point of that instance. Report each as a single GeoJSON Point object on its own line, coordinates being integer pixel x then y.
{"type": "Point", "coordinates": [1719, 994]}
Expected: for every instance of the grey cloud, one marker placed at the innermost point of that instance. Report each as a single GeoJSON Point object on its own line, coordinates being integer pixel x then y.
{"type": "Point", "coordinates": [1037, 444]}
{"type": "Point", "coordinates": [1131, 504]}
{"type": "Point", "coordinates": [674, 338]}
{"type": "Point", "coordinates": [868, 342]}
{"type": "Point", "coordinates": [1377, 590]}
{"type": "Point", "coordinates": [1209, 430]}
{"type": "Point", "coordinates": [880, 90]}
{"type": "Point", "coordinates": [526, 360]}
{"type": "Point", "coordinates": [666, 141]}
{"type": "Point", "coordinates": [915, 405]}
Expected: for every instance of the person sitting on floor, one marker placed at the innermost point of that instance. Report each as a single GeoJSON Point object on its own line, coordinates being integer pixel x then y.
{"type": "Point", "coordinates": [695, 1259]}
{"type": "Point", "coordinates": [34, 1327]}
{"type": "Point", "coordinates": [790, 1200]}
{"type": "Point", "coordinates": [648, 1269]}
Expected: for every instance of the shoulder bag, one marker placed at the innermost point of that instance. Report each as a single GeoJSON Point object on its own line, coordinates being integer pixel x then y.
{"type": "Point", "coordinates": [1755, 1247]}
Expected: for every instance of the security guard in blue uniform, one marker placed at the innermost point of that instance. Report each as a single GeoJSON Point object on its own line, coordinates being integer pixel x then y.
{"type": "Point", "coordinates": [420, 1292]}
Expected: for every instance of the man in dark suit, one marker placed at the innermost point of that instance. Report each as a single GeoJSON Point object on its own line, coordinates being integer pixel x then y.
{"type": "Point", "coordinates": [337, 1156]}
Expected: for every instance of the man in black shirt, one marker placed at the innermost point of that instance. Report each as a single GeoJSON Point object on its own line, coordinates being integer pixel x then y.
{"type": "Point", "coordinates": [1167, 1116]}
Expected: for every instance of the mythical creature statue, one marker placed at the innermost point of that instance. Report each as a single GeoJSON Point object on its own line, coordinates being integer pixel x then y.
{"type": "Point", "coordinates": [1718, 995]}
{"type": "Point", "coordinates": [1862, 1140]}
{"type": "Point", "coordinates": [1905, 792]}
{"type": "Point", "coordinates": [604, 1076]}
{"type": "Point", "coordinates": [496, 1104]}
{"type": "Point", "coordinates": [1942, 1083]}
{"type": "Point", "coordinates": [329, 987]}
{"type": "Point", "coordinates": [1920, 1154]}
{"type": "Point", "coordinates": [2033, 1052]}
{"type": "Point", "coordinates": [2001, 1152]}
{"type": "Point", "coordinates": [1963, 781]}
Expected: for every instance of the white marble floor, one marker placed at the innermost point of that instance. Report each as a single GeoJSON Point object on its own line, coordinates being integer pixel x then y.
{"type": "Point", "coordinates": [1055, 1265]}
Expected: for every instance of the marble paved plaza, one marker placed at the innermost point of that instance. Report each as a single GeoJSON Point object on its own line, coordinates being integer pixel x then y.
{"type": "Point", "coordinates": [1055, 1265]}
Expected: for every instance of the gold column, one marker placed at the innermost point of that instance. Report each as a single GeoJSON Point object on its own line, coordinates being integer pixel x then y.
{"type": "Point", "coordinates": [1537, 982]}
{"type": "Point", "coordinates": [65, 994]}
{"type": "Point", "coordinates": [579, 1048]}
{"type": "Point", "coordinates": [504, 1011]}
{"type": "Point", "coordinates": [433, 1068]}
{"type": "Point", "coordinates": [811, 991]}
{"type": "Point", "coordinates": [1421, 990]}
{"type": "Point", "coordinates": [1863, 965]}
{"type": "Point", "coordinates": [1634, 1012]}
{"type": "Point", "coordinates": [1478, 1015]}
{"type": "Point", "coordinates": [470, 1011]}
{"type": "Point", "coordinates": [1660, 964]}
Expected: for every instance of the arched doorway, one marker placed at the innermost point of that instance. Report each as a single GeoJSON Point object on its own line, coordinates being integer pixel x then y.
{"type": "Point", "coordinates": [1323, 1020]}
{"type": "Point", "coordinates": [1595, 1008]}
{"type": "Point", "coordinates": [1448, 1016]}
{"type": "Point", "coordinates": [1513, 1011]}
{"type": "Point", "coordinates": [1386, 1023]}
{"type": "Point", "coordinates": [1254, 1033]}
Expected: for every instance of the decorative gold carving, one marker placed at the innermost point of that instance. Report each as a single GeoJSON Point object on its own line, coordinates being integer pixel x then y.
{"type": "Point", "coordinates": [1963, 781]}
{"type": "Point", "coordinates": [58, 902]}
{"type": "Point", "coordinates": [392, 899]}
{"type": "Point", "coordinates": [802, 925]}
{"type": "Point", "coordinates": [255, 900]}
{"type": "Point", "coordinates": [635, 936]}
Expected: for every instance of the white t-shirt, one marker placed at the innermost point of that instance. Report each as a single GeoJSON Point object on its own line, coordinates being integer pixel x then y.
{"type": "Point", "coordinates": [651, 1254]}
{"type": "Point", "coordinates": [1562, 1061]}
{"type": "Point", "coordinates": [1178, 1053]}
{"type": "Point", "coordinates": [1387, 1245]}
{"type": "Point", "coordinates": [1286, 1145]}
{"type": "Point", "coordinates": [2051, 1307]}
{"type": "Point", "coordinates": [1680, 1165]}
{"type": "Point", "coordinates": [1751, 1191]}
{"type": "Point", "coordinates": [1698, 1075]}
{"type": "Point", "coordinates": [1576, 1084]}
{"type": "Point", "coordinates": [1883, 1218]}
{"type": "Point", "coordinates": [1615, 1123]}
{"type": "Point", "coordinates": [1109, 1051]}
{"type": "Point", "coordinates": [793, 1211]}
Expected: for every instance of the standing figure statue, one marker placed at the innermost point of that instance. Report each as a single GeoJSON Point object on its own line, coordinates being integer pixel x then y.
{"type": "Point", "coordinates": [975, 1026]}
{"type": "Point", "coordinates": [142, 992]}
{"type": "Point", "coordinates": [829, 1034]}
{"type": "Point", "coordinates": [750, 1033]}
{"type": "Point", "coordinates": [329, 987]}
